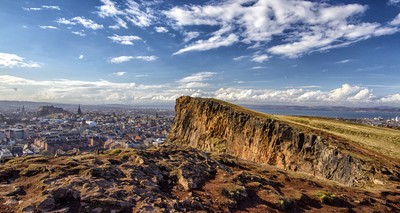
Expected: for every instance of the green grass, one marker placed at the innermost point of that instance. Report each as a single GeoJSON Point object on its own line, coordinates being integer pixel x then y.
{"type": "Point", "coordinates": [325, 197]}
{"type": "Point", "coordinates": [114, 152]}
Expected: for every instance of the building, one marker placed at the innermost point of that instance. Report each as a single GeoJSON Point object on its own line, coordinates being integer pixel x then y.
{"type": "Point", "coordinates": [5, 154]}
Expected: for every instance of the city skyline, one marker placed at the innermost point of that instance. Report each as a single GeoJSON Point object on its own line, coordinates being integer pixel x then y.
{"type": "Point", "coordinates": [245, 51]}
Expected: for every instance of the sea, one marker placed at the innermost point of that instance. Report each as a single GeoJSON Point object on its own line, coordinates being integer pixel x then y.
{"type": "Point", "coordinates": [340, 112]}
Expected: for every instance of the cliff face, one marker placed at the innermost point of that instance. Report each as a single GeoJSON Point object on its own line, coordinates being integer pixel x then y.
{"type": "Point", "coordinates": [216, 126]}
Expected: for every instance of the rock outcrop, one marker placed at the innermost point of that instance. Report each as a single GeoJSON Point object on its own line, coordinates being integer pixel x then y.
{"type": "Point", "coordinates": [47, 110]}
{"type": "Point", "coordinates": [173, 179]}
{"type": "Point", "coordinates": [216, 126]}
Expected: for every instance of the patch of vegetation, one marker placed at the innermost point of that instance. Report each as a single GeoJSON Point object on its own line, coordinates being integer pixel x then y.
{"type": "Point", "coordinates": [114, 152]}
{"type": "Point", "coordinates": [285, 203]}
{"type": "Point", "coordinates": [33, 169]}
{"type": "Point", "coordinates": [325, 197]}
{"type": "Point", "coordinates": [235, 192]}
{"type": "Point", "coordinates": [125, 156]}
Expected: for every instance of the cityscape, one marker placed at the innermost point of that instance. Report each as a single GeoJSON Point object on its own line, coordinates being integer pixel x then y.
{"type": "Point", "coordinates": [54, 131]}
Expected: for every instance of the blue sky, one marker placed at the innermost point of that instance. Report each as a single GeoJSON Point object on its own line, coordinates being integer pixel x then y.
{"type": "Point", "coordinates": [244, 51]}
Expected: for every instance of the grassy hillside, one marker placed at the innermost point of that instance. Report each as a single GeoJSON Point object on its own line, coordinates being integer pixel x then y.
{"type": "Point", "coordinates": [385, 141]}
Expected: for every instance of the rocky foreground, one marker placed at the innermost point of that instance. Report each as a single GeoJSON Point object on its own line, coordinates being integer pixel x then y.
{"type": "Point", "coordinates": [175, 179]}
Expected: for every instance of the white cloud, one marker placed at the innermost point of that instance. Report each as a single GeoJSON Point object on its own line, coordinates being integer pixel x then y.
{"type": "Point", "coordinates": [65, 21]}
{"type": "Point", "coordinates": [190, 35]}
{"type": "Point", "coordinates": [141, 15]}
{"type": "Point", "coordinates": [119, 73]}
{"type": "Point", "coordinates": [258, 67]}
{"type": "Point", "coordinates": [394, 99]}
{"type": "Point", "coordinates": [147, 58]}
{"type": "Point", "coordinates": [43, 7]}
{"type": "Point", "coordinates": [303, 27]}
{"type": "Point", "coordinates": [119, 24]}
{"type": "Point", "coordinates": [346, 94]}
{"type": "Point", "coordinates": [121, 59]}
{"type": "Point", "coordinates": [196, 15]}
{"type": "Point", "coordinates": [11, 60]}
{"type": "Point", "coordinates": [394, 2]}
{"type": "Point", "coordinates": [48, 27]}
{"type": "Point", "coordinates": [108, 9]}
{"type": "Point", "coordinates": [160, 29]}
{"type": "Point", "coordinates": [260, 58]}
{"type": "Point", "coordinates": [80, 56]}
{"type": "Point", "coordinates": [51, 7]}
{"type": "Point", "coordinates": [344, 61]}
{"type": "Point", "coordinates": [240, 58]}
{"type": "Point", "coordinates": [201, 76]}
{"type": "Point", "coordinates": [87, 23]}
{"type": "Point", "coordinates": [196, 80]}
{"type": "Point", "coordinates": [79, 33]}
{"type": "Point", "coordinates": [125, 40]}
{"type": "Point", "coordinates": [190, 85]}
{"type": "Point", "coordinates": [211, 43]}
{"type": "Point", "coordinates": [396, 21]}
{"type": "Point", "coordinates": [32, 8]}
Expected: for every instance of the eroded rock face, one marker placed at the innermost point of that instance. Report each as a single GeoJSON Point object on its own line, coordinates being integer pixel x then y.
{"type": "Point", "coordinates": [215, 126]}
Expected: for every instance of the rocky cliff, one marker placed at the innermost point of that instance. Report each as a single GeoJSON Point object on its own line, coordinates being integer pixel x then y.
{"type": "Point", "coordinates": [216, 126]}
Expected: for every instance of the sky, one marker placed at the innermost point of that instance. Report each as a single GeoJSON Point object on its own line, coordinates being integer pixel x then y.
{"type": "Point", "coordinates": [291, 52]}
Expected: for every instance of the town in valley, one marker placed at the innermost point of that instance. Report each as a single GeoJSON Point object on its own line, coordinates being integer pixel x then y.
{"type": "Point", "coordinates": [52, 130]}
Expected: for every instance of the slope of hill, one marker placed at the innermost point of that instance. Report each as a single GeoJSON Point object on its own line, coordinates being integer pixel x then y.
{"type": "Point", "coordinates": [173, 179]}
{"type": "Point", "coordinates": [322, 147]}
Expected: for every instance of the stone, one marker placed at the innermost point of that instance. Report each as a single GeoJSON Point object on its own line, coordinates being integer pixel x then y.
{"type": "Point", "coordinates": [11, 201]}
{"type": "Point", "coordinates": [378, 182]}
{"type": "Point", "coordinates": [47, 204]}
{"type": "Point", "coordinates": [17, 191]}
{"type": "Point", "coordinates": [28, 209]}
{"type": "Point", "coordinates": [97, 210]}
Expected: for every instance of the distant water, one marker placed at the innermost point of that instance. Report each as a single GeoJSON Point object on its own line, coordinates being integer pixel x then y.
{"type": "Point", "coordinates": [318, 112]}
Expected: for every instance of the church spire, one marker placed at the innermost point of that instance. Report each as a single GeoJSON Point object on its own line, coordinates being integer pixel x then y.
{"type": "Point", "coordinates": [79, 110]}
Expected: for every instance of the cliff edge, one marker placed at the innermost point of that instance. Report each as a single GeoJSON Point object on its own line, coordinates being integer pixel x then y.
{"type": "Point", "coordinates": [216, 126]}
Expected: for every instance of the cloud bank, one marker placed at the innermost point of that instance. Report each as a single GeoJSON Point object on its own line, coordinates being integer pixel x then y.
{"type": "Point", "coordinates": [196, 85]}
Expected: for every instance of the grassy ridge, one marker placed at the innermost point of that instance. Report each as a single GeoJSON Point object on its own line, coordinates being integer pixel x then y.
{"type": "Point", "coordinates": [385, 141]}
